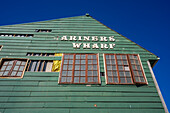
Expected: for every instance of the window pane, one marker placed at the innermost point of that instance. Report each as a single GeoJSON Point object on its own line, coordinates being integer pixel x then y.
{"type": "Point", "coordinates": [82, 80]}
{"type": "Point", "coordinates": [77, 62]}
{"type": "Point", "coordinates": [129, 80]}
{"type": "Point", "coordinates": [64, 67]}
{"type": "Point", "coordinates": [23, 63]}
{"type": "Point", "coordinates": [76, 79]}
{"type": "Point", "coordinates": [83, 73]}
{"type": "Point", "coordinates": [6, 73]}
{"type": "Point", "coordinates": [83, 67]}
{"type": "Point", "coordinates": [71, 57]}
{"type": "Point", "coordinates": [70, 61]}
{"type": "Point", "coordinates": [94, 61]}
{"type": "Point", "coordinates": [120, 67]}
{"type": "Point", "coordinates": [63, 79]}
{"type": "Point", "coordinates": [6, 62]}
{"type": "Point", "coordinates": [66, 56]}
{"type": "Point", "coordinates": [65, 61]}
{"type": "Point", "coordinates": [122, 80]}
{"type": "Point", "coordinates": [8, 67]}
{"type": "Point", "coordinates": [95, 79]}
{"type": "Point", "coordinates": [94, 67]}
{"type": "Point", "coordinates": [13, 73]}
{"type": "Point", "coordinates": [69, 73]}
{"type": "Point", "coordinates": [16, 67]}
{"type": "Point", "coordinates": [83, 56]}
{"type": "Point", "coordinates": [76, 73]}
{"type": "Point", "coordinates": [89, 67]}
{"type": "Point", "coordinates": [95, 73]}
{"type": "Point", "coordinates": [115, 79]}
{"type": "Point", "coordinates": [90, 79]}
{"type": "Point", "coordinates": [118, 56]}
{"type": "Point", "coordinates": [83, 62]}
{"type": "Point", "coordinates": [89, 61]}
{"type": "Point", "coordinates": [114, 73]}
{"type": "Point", "coordinates": [18, 63]}
{"type": "Point", "coordinates": [3, 67]}
{"type": "Point", "coordinates": [21, 68]}
{"type": "Point", "coordinates": [109, 73]}
{"type": "Point", "coordinates": [19, 73]}
{"type": "Point", "coordinates": [69, 79]}
{"type": "Point", "coordinates": [94, 57]}
{"type": "Point", "coordinates": [64, 73]}
{"type": "Point", "coordinates": [77, 56]}
{"type": "Point", "coordinates": [110, 79]}
{"type": "Point", "coordinates": [77, 67]}
{"type": "Point", "coordinates": [112, 56]}
{"type": "Point", "coordinates": [70, 67]}
{"type": "Point", "coordinates": [11, 62]}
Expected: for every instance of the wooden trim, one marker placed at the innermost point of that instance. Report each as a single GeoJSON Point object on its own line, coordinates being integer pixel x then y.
{"type": "Point", "coordinates": [158, 89]}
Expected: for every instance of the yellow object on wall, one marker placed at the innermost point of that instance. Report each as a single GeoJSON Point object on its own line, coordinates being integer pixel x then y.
{"type": "Point", "coordinates": [56, 63]}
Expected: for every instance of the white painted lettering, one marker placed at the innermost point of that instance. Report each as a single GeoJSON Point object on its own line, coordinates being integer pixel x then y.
{"type": "Point", "coordinates": [95, 46]}
{"type": "Point", "coordinates": [73, 38]}
{"type": "Point", "coordinates": [64, 38]}
{"type": "Point", "coordinates": [86, 45]}
{"type": "Point", "coordinates": [111, 38]}
{"type": "Point", "coordinates": [86, 38]}
{"type": "Point", "coordinates": [104, 46]}
{"type": "Point", "coordinates": [95, 38]}
{"type": "Point", "coordinates": [76, 45]}
{"type": "Point", "coordinates": [103, 38]}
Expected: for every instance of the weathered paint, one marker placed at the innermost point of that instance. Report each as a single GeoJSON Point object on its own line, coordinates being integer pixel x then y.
{"type": "Point", "coordinates": [39, 92]}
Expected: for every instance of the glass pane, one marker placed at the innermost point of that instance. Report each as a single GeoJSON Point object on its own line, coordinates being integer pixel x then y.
{"type": "Point", "coordinates": [132, 61]}
{"type": "Point", "coordinates": [110, 79]}
{"type": "Point", "coordinates": [140, 73]}
{"type": "Point", "coordinates": [6, 73]}
{"type": "Point", "coordinates": [21, 68]}
{"type": "Point", "coordinates": [71, 57]}
{"type": "Point", "coordinates": [90, 79]}
{"type": "Point", "coordinates": [89, 61]}
{"type": "Point", "coordinates": [124, 57]}
{"type": "Point", "coordinates": [90, 73]}
{"type": "Point", "coordinates": [5, 62]}
{"type": "Point", "coordinates": [114, 67]}
{"type": "Point", "coordinates": [120, 67]}
{"type": "Point", "coordinates": [109, 73]}
{"type": "Point", "coordinates": [83, 56]}
{"type": "Point", "coordinates": [135, 73]}
{"type": "Point", "coordinates": [76, 79]}
{"type": "Point", "coordinates": [94, 67]}
{"type": "Point", "coordinates": [3, 67]}
{"type": "Point", "coordinates": [122, 80]}
{"type": "Point", "coordinates": [113, 62]}
{"type": "Point", "coordinates": [90, 57]}
{"type": "Point", "coordinates": [115, 73]}
{"type": "Point", "coordinates": [109, 67]}
{"type": "Point", "coordinates": [119, 62]}
{"type": "Point", "coordinates": [77, 62]}
{"type": "Point", "coordinates": [94, 57]}
{"type": "Point", "coordinates": [89, 67]}
{"type": "Point", "coordinates": [133, 67]}
{"type": "Point", "coordinates": [127, 73]}
{"type": "Point", "coordinates": [66, 56]}
{"type": "Point", "coordinates": [125, 62]}
{"type": "Point", "coordinates": [69, 73]}
{"type": "Point", "coordinates": [112, 56]}
{"type": "Point", "coordinates": [83, 73]}
{"type": "Point", "coordinates": [138, 67]}
{"type": "Point", "coordinates": [142, 79]}
{"type": "Point", "coordinates": [129, 80]}
{"type": "Point", "coordinates": [137, 62]}
{"type": "Point", "coordinates": [8, 67]}
{"type": "Point", "coordinates": [95, 79]}
{"type": "Point", "coordinates": [115, 79]}
{"type": "Point", "coordinates": [65, 61]}
{"type": "Point", "coordinates": [1, 73]}
{"type": "Point", "coordinates": [69, 79]}
{"type": "Point", "coordinates": [83, 61]}
{"type": "Point", "coordinates": [95, 73]}
{"type": "Point", "coordinates": [11, 62]}
{"type": "Point", "coordinates": [18, 63]}
{"type": "Point", "coordinates": [64, 67]}
{"type": "Point", "coordinates": [82, 80]}
{"type": "Point", "coordinates": [118, 56]}
{"type": "Point", "coordinates": [13, 73]}
{"type": "Point", "coordinates": [108, 62]}
{"type": "Point", "coordinates": [77, 67]}
{"type": "Point", "coordinates": [94, 61]}
{"type": "Point", "coordinates": [19, 73]}
{"type": "Point", "coordinates": [121, 73]}
{"type": "Point", "coordinates": [64, 73]}
{"type": "Point", "coordinates": [70, 61]}
{"type": "Point", "coordinates": [135, 57]}
{"type": "Point", "coordinates": [107, 56]}
{"type": "Point", "coordinates": [63, 79]}
{"type": "Point", "coordinates": [23, 63]}
{"type": "Point", "coordinates": [16, 67]}
{"type": "Point", "coordinates": [70, 67]}
{"type": "Point", "coordinates": [76, 73]}
{"type": "Point", "coordinates": [77, 56]}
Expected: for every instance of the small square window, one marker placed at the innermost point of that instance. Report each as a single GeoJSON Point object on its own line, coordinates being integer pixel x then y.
{"type": "Point", "coordinates": [10, 67]}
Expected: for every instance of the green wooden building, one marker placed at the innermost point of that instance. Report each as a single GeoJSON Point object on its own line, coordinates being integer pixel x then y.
{"type": "Point", "coordinates": [75, 65]}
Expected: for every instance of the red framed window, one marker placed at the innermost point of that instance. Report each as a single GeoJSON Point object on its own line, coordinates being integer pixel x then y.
{"type": "Point", "coordinates": [123, 69]}
{"type": "Point", "coordinates": [12, 67]}
{"type": "Point", "coordinates": [79, 69]}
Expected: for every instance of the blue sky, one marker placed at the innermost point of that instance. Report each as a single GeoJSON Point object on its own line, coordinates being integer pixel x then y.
{"type": "Point", "coordinates": [146, 22]}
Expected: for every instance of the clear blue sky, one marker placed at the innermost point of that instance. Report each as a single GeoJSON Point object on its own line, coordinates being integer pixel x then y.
{"type": "Point", "coordinates": [146, 22]}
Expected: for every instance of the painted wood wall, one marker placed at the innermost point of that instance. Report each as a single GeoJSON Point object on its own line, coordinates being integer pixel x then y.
{"type": "Point", "coordinates": [39, 92]}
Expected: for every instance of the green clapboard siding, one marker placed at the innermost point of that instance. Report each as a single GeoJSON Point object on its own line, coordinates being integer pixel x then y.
{"type": "Point", "coordinates": [39, 92]}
